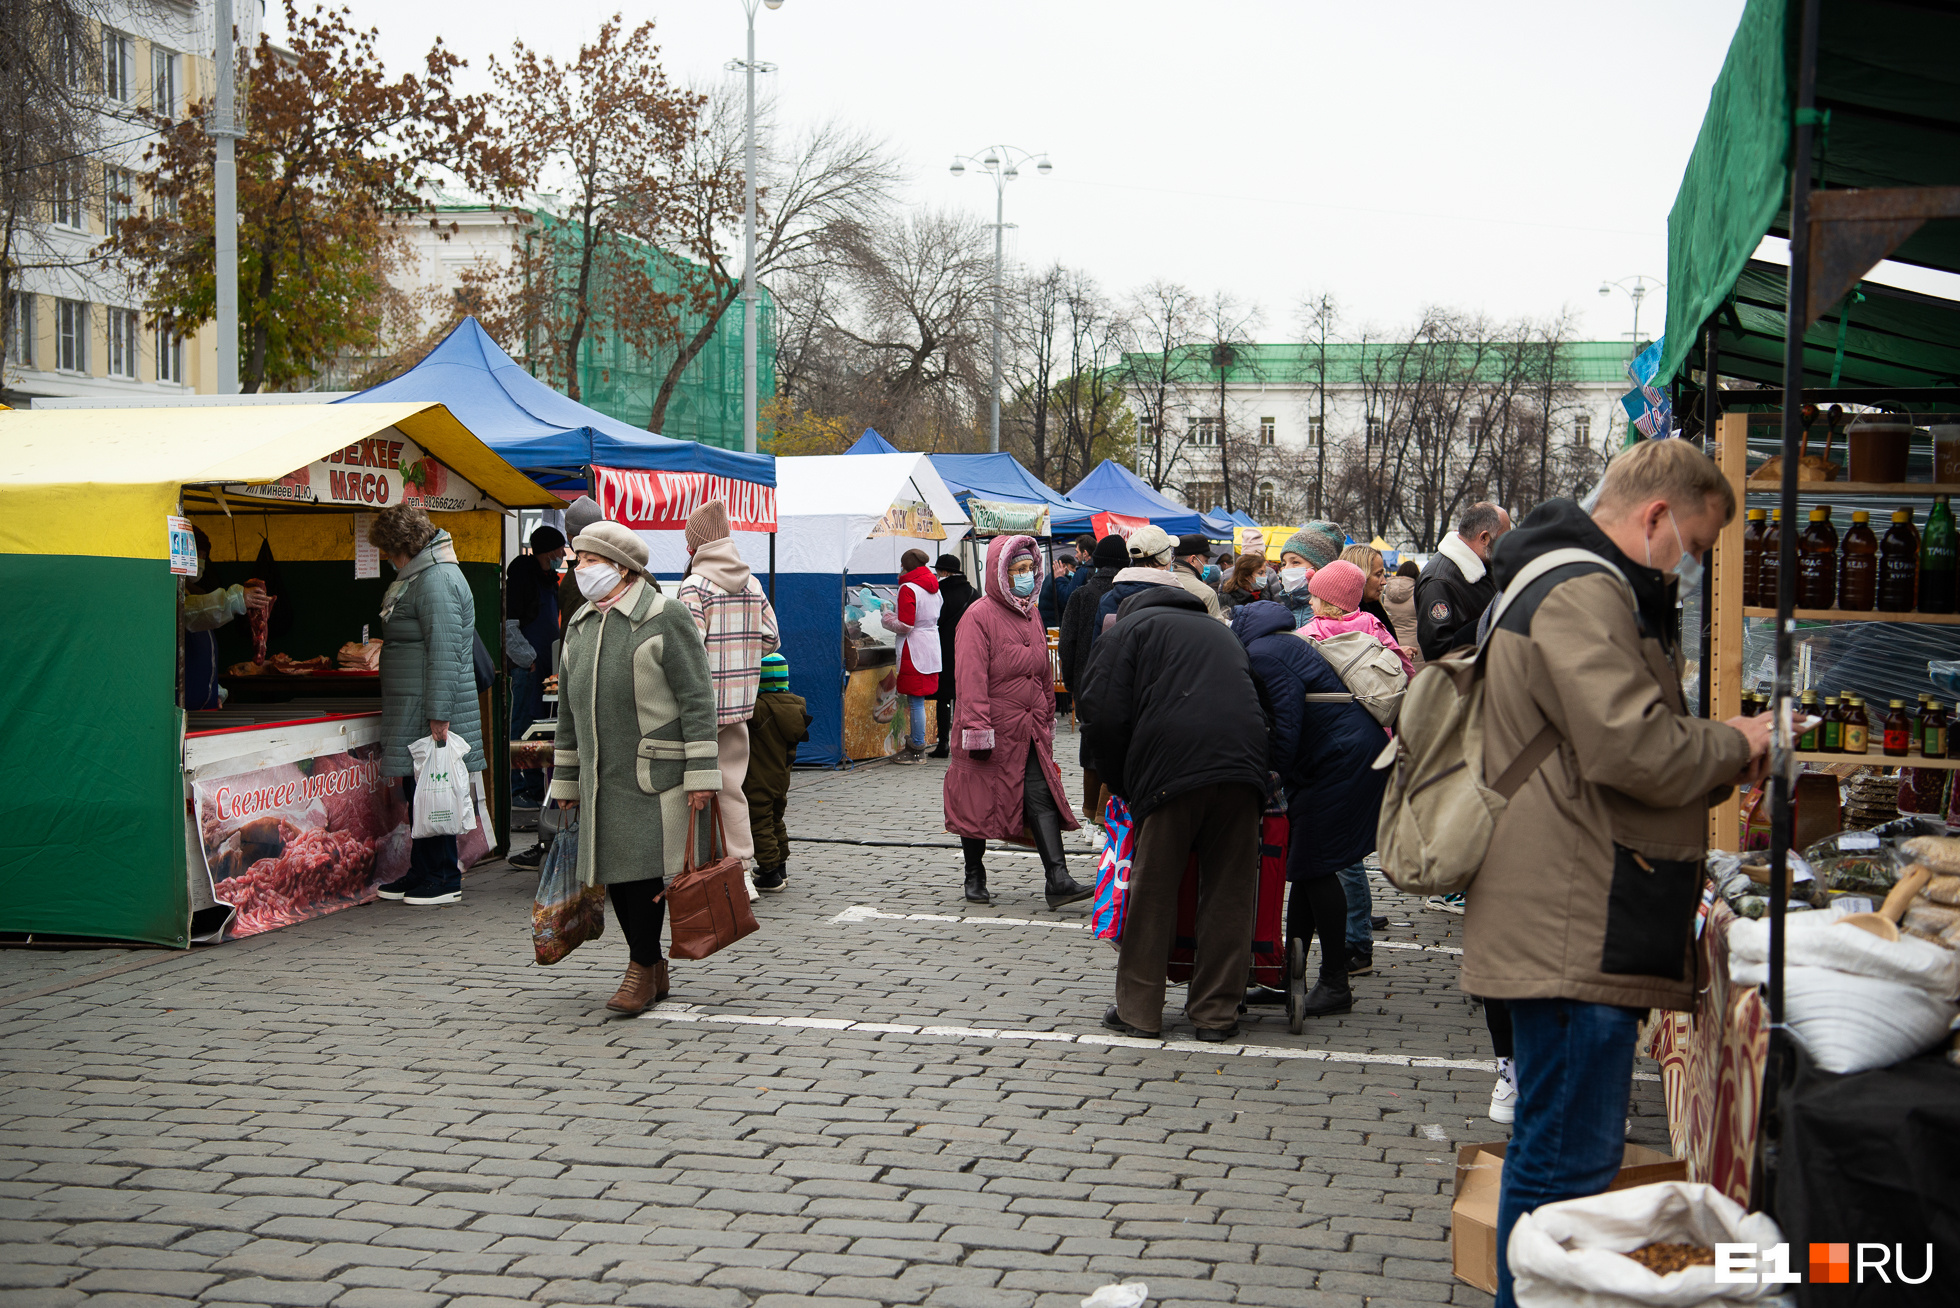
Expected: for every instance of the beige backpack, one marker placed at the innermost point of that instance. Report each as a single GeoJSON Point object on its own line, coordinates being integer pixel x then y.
{"type": "Point", "coordinates": [1438, 812]}
{"type": "Point", "coordinates": [1372, 672]}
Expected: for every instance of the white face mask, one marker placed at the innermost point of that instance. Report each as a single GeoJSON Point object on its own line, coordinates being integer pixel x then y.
{"type": "Point", "coordinates": [598, 580]}
{"type": "Point", "coordinates": [1291, 578]}
{"type": "Point", "coordinates": [1687, 568]}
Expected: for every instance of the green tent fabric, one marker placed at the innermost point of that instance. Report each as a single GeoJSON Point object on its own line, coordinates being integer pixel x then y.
{"type": "Point", "coordinates": [1888, 78]}
{"type": "Point", "coordinates": [1878, 337]}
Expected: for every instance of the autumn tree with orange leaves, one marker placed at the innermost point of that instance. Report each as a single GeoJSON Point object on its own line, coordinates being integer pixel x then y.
{"type": "Point", "coordinates": [335, 148]}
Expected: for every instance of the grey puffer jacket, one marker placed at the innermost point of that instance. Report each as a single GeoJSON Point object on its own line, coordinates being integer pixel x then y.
{"type": "Point", "coordinates": [427, 663]}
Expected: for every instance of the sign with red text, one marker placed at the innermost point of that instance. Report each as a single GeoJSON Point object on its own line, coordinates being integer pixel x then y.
{"type": "Point", "coordinates": [662, 501]}
{"type": "Point", "coordinates": [372, 473]}
{"type": "Point", "coordinates": [1116, 524]}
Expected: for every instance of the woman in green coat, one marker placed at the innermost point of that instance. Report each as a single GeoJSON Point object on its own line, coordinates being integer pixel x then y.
{"type": "Point", "coordinates": [428, 678]}
{"type": "Point", "coordinates": [636, 746]}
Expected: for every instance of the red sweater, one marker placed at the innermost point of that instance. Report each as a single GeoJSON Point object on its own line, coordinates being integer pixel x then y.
{"type": "Point", "coordinates": [910, 680]}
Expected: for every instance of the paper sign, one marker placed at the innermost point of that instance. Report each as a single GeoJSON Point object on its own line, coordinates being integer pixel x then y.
{"type": "Point", "coordinates": [662, 501]}
{"type": "Point", "coordinates": [1858, 840]}
{"type": "Point", "coordinates": [373, 471]}
{"type": "Point", "coordinates": [1116, 524]}
{"type": "Point", "coordinates": [367, 559]}
{"type": "Point", "coordinates": [911, 518]}
{"type": "Point", "coordinates": [183, 546]}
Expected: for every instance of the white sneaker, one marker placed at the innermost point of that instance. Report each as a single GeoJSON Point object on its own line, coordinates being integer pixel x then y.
{"type": "Point", "coordinates": [1098, 838]}
{"type": "Point", "coordinates": [1445, 904]}
{"type": "Point", "coordinates": [1504, 1095]}
{"type": "Point", "coordinates": [748, 879]}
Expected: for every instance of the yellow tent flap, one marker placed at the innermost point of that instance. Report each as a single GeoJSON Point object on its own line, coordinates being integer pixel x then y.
{"type": "Point", "coordinates": [100, 481]}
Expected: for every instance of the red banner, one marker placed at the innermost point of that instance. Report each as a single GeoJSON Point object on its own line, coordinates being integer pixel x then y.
{"type": "Point", "coordinates": [1116, 524]}
{"type": "Point", "coordinates": [661, 501]}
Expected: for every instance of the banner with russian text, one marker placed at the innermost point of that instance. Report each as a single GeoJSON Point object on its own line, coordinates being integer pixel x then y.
{"type": "Point", "coordinates": [661, 501]}
{"type": "Point", "coordinates": [1116, 524]}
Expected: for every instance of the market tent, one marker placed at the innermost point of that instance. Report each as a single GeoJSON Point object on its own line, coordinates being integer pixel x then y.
{"type": "Point", "coordinates": [826, 509]}
{"type": "Point", "coordinates": [1002, 477]}
{"type": "Point", "coordinates": [872, 443]}
{"type": "Point", "coordinates": [540, 430]}
{"type": "Point", "coordinates": [1240, 517]}
{"type": "Point", "coordinates": [1888, 81]}
{"type": "Point", "coordinates": [1113, 488]}
{"type": "Point", "coordinates": [96, 846]}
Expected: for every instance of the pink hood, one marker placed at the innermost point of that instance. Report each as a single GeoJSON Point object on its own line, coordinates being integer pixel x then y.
{"type": "Point", "coordinates": [1001, 552]}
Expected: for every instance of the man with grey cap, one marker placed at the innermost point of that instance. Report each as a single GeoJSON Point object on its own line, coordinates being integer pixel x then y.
{"type": "Point", "coordinates": [1189, 569]}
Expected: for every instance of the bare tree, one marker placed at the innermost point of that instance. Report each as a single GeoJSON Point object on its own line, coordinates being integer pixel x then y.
{"type": "Point", "coordinates": [1156, 373]}
{"type": "Point", "coordinates": [1096, 416]}
{"type": "Point", "coordinates": [1319, 319]}
{"type": "Point", "coordinates": [1030, 366]}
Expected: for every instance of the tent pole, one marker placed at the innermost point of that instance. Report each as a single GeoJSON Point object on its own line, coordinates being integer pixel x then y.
{"type": "Point", "coordinates": [1783, 772]}
{"type": "Point", "coordinates": [772, 569]}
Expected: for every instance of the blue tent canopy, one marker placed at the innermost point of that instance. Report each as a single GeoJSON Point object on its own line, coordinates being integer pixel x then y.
{"type": "Point", "coordinates": [533, 427]}
{"type": "Point", "coordinates": [1002, 477]}
{"type": "Point", "coordinates": [872, 443]}
{"type": "Point", "coordinates": [1113, 488]}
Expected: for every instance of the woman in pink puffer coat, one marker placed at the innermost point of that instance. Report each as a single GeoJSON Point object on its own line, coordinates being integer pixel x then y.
{"type": "Point", "coordinates": [1003, 783]}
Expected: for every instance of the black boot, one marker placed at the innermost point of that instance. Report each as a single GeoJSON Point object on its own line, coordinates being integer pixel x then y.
{"type": "Point", "coordinates": [1330, 995]}
{"type": "Point", "coordinates": [1060, 887]}
{"type": "Point", "coordinates": [976, 871]}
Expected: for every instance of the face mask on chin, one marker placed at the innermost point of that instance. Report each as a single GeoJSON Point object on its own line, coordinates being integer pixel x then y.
{"type": "Point", "coordinates": [1687, 569]}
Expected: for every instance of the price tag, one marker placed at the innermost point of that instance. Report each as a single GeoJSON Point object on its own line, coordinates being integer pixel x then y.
{"type": "Point", "coordinates": [1800, 868]}
{"type": "Point", "coordinates": [1852, 904]}
{"type": "Point", "coordinates": [183, 546]}
{"type": "Point", "coordinates": [367, 559]}
{"type": "Point", "coordinates": [1858, 840]}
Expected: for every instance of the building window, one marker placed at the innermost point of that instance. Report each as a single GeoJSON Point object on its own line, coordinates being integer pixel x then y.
{"type": "Point", "coordinates": [1316, 431]}
{"type": "Point", "coordinates": [118, 65]}
{"type": "Point", "coordinates": [164, 206]}
{"type": "Point", "coordinates": [118, 196]}
{"type": "Point", "coordinates": [1205, 495]}
{"type": "Point", "coordinates": [163, 82]}
{"type": "Point", "coordinates": [1582, 431]}
{"type": "Point", "coordinates": [1476, 429]}
{"type": "Point", "coordinates": [1268, 431]}
{"type": "Point", "coordinates": [122, 343]}
{"type": "Point", "coordinates": [170, 352]}
{"type": "Point", "coordinates": [1202, 431]}
{"type": "Point", "coordinates": [1266, 510]}
{"type": "Point", "coordinates": [69, 192]}
{"type": "Point", "coordinates": [20, 329]}
{"type": "Point", "coordinates": [1374, 430]}
{"type": "Point", "coordinates": [70, 61]}
{"type": "Point", "coordinates": [71, 335]}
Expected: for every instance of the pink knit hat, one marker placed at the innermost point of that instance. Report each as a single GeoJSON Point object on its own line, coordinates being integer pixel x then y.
{"type": "Point", "coordinates": [709, 522]}
{"type": "Point", "coordinates": [1340, 583]}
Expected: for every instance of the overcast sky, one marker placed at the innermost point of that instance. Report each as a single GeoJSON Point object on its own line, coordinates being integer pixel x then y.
{"type": "Point", "coordinates": [1502, 156]}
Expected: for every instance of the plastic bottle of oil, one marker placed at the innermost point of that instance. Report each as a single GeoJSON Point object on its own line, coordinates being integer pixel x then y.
{"type": "Point", "coordinates": [1753, 533]}
{"type": "Point", "coordinates": [1857, 566]}
{"type": "Point", "coordinates": [1898, 565]}
{"type": "Point", "coordinates": [1817, 563]}
{"type": "Point", "coordinates": [1772, 560]}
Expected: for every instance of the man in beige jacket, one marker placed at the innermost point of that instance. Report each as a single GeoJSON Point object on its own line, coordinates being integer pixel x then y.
{"type": "Point", "coordinates": [1582, 917]}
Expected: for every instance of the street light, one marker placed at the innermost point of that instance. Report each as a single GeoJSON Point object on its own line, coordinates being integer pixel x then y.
{"type": "Point", "coordinates": [750, 316]}
{"type": "Point", "coordinates": [1002, 163]}
{"type": "Point", "coordinates": [1641, 284]}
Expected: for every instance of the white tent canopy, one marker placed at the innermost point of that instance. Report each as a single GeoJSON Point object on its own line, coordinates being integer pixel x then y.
{"type": "Point", "coordinates": [826, 508]}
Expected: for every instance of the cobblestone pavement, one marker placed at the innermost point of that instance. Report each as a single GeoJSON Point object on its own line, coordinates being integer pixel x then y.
{"type": "Point", "coordinates": [885, 1097]}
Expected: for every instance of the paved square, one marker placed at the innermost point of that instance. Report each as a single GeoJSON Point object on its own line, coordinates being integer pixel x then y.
{"type": "Point", "coordinates": [886, 1096]}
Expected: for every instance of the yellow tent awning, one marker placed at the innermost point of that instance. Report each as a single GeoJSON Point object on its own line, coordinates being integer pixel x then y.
{"type": "Point", "coordinates": [100, 481]}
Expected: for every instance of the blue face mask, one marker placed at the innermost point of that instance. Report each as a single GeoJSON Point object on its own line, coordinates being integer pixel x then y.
{"type": "Point", "coordinates": [1023, 584]}
{"type": "Point", "coordinates": [1211, 572]}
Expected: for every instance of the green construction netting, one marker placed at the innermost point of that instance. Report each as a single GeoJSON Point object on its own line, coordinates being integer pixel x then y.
{"type": "Point", "coordinates": [93, 844]}
{"type": "Point", "coordinates": [1889, 77]}
{"type": "Point", "coordinates": [1876, 337]}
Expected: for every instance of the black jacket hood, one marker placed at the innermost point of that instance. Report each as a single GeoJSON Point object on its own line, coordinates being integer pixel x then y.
{"type": "Point", "coordinates": [1152, 596]}
{"type": "Point", "coordinates": [1562, 524]}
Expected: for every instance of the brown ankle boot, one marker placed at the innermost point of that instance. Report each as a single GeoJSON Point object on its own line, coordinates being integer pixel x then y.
{"type": "Point", "coordinates": [635, 992]}
{"type": "Point", "coordinates": [660, 981]}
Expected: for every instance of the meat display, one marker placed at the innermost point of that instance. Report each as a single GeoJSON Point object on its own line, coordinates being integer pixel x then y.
{"type": "Point", "coordinates": [281, 665]}
{"type": "Point", "coordinates": [357, 657]}
{"type": "Point", "coordinates": [261, 619]}
{"type": "Point", "coordinates": [317, 872]}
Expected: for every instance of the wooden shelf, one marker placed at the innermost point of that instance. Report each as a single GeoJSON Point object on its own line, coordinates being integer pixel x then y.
{"type": "Point", "coordinates": [1856, 488]}
{"type": "Point", "coordinates": [1854, 615]}
{"type": "Point", "coordinates": [1876, 758]}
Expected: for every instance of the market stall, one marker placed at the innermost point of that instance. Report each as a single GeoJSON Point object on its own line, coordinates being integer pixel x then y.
{"type": "Point", "coordinates": [844, 521]}
{"type": "Point", "coordinates": [165, 825]}
{"type": "Point", "coordinates": [1837, 126]}
{"type": "Point", "coordinates": [1112, 488]}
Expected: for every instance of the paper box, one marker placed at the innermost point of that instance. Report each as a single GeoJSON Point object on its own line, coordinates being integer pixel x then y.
{"type": "Point", "coordinates": [1473, 1216]}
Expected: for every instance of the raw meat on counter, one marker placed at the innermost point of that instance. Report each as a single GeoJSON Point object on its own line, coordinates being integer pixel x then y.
{"type": "Point", "coordinates": [357, 657]}
{"type": "Point", "coordinates": [260, 616]}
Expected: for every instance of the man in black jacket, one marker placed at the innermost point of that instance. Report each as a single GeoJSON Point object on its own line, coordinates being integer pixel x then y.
{"type": "Point", "coordinates": [1455, 586]}
{"type": "Point", "coordinates": [1174, 720]}
{"type": "Point", "coordinates": [1110, 556]}
{"type": "Point", "coordinates": [955, 594]}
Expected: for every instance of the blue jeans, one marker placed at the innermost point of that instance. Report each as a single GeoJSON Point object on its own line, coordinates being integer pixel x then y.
{"type": "Point", "coordinates": [915, 713]}
{"type": "Point", "coordinates": [1360, 908]}
{"type": "Point", "coordinates": [1574, 1064]}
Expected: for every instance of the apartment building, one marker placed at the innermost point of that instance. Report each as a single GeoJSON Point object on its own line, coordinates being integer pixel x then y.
{"type": "Point", "coordinates": [77, 326]}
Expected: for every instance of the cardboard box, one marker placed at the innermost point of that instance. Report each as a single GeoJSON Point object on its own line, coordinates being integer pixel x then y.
{"type": "Point", "coordinates": [1473, 1216]}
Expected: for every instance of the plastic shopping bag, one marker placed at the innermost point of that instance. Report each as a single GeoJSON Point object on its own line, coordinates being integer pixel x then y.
{"type": "Point", "coordinates": [444, 804]}
{"type": "Point", "coordinates": [565, 914]}
{"type": "Point", "coordinates": [1569, 1254]}
{"type": "Point", "coordinates": [1112, 900]}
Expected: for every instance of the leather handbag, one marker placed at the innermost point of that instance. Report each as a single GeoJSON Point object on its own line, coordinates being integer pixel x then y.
{"type": "Point", "coordinates": [708, 906]}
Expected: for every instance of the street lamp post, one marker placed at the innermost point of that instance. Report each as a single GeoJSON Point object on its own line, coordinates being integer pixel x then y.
{"type": "Point", "coordinates": [1637, 291]}
{"type": "Point", "coordinates": [224, 130]}
{"type": "Point", "coordinates": [750, 315]}
{"type": "Point", "coordinates": [1003, 164]}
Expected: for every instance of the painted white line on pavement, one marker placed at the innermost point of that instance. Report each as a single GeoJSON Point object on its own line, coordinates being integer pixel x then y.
{"type": "Point", "coordinates": [1004, 1035]}
{"type": "Point", "coordinates": [866, 913]}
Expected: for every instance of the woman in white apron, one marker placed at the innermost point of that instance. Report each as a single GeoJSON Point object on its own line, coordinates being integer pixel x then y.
{"type": "Point", "coordinates": [916, 623]}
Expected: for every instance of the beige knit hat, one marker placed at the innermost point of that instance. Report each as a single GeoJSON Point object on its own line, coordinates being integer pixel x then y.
{"type": "Point", "coordinates": [612, 541]}
{"type": "Point", "coordinates": [1150, 545]}
{"type": "Point", "coordinates": [709, 522]}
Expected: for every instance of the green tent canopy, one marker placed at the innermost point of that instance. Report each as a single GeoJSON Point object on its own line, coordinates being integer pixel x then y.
{"type": "Point", "coordinates": [1888, 76]}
